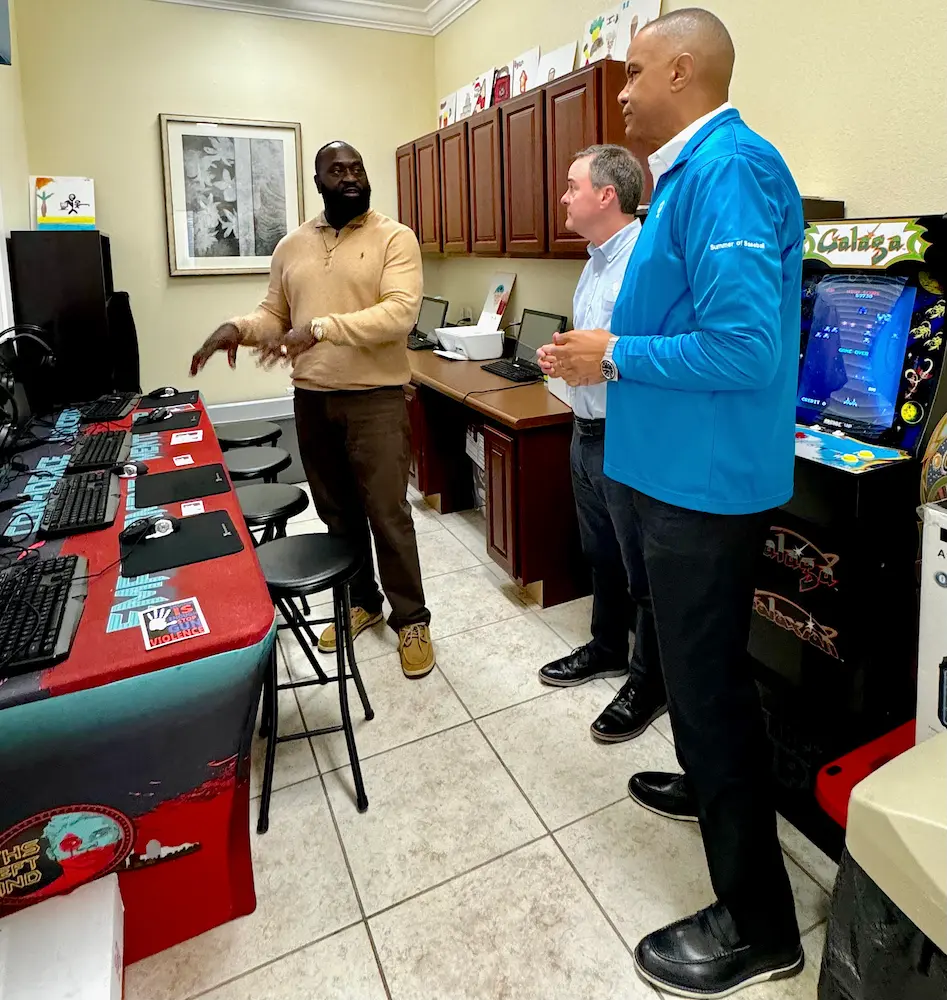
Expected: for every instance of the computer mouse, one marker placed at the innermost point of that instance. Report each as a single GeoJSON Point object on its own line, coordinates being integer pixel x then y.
{"type": "Point", "coordinates": [159, 526]}
{"type": "Point", "coordinates": [163, 393]}
{"type": "Point", "coordinates": [154, 416]}
{"type": "Point", "coordinates": [129, 470]}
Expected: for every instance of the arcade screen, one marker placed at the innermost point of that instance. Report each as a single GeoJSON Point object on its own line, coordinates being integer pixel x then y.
{"type": "Point", "coordinates": [855, 350]}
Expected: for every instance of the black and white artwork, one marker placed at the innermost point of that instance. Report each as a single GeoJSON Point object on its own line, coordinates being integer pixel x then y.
{"type": "Point", "coordinates": [233, 191]}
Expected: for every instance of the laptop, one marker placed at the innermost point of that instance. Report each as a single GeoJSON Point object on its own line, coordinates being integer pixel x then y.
{"type": "Point", "coordinates": [432, 316]}
{"type": "Point", "coordinates": [535, 329]}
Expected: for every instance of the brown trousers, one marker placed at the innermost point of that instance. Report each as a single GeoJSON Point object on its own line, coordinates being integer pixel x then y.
{"type": "Point", "coordinates": [355, 448]}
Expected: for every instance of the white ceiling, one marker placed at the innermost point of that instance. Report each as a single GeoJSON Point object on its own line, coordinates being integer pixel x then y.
{"type": "Point", "coordinates": [418, 17]}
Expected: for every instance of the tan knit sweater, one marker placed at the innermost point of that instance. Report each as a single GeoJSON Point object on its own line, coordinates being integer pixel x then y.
{"type": "Point", "coordinates": [364, 285]}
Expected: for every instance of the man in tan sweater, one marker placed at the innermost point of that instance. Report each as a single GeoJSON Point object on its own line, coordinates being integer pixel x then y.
{"type": "Point", "coordinates": [344, 293]}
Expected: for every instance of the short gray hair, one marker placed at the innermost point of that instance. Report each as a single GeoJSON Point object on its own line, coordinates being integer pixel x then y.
{"type": "Point", "coordinates": [614, 166]}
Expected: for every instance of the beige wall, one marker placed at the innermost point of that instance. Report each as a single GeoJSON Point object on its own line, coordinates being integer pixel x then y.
{"type": "Point", "coordinates": [852, 92]}
{"type": "Point", "coordinates": [13, 161]}
{"type": "Point", "coordinates": [97, 73]}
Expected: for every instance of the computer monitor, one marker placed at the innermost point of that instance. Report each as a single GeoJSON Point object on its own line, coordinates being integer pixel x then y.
{"type": "Point", "coordinates": [854, 357]}
{"type": "Point", "coordinates": [432, 316]}
{"type": "Point", "coordinates": [536, 329]}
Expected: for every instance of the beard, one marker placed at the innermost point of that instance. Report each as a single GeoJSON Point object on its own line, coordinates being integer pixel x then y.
{"type": "Point", "coordinates": [342, 208]}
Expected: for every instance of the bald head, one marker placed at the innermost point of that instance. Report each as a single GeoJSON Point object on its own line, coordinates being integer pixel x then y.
{"type": "Point", "coordinates": [679, 69]}
{"type": "Point", "coordinates": [333, 150]}
{"type": "Point", "coordinates": [342, 182]}
{"type": "Point", "coordinates": [704, 36]}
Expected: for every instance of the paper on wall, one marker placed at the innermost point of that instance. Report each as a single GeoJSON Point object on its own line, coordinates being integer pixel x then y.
{"type": "Point", "coordinates": [524, 72]}
{"type": "Point", "coordinates": [483, 90]}
{"type": "Point", "coordinates": [447, 112]}
{"type": "Point", "coordinates": [561, 62]}
{"type": "Point", "coordinates": [465, 103]}
{"type": "Point", "coordinates": [632, 15]}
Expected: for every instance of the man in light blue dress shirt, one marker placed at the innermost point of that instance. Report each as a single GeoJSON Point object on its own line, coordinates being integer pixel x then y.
{"type": "Point", "coordinates": [605, 185]}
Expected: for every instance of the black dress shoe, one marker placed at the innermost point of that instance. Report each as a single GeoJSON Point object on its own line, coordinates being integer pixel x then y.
{"type": "Point", "coordinates": [665, 794]}
{"type": "Point", "coordinates": [704, 957]}
{"type": "Point", "coordinates": [580, 666]}
{"type": "Point", "coordinates": [628, 715]}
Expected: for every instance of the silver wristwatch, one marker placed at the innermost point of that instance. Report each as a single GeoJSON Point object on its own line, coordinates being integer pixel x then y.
{"type": "Point", "coordinates": [609, 368]}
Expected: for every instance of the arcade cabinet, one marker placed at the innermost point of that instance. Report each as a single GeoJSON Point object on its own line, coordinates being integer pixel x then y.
{"type": "Point", "coordinates": [834, 631]}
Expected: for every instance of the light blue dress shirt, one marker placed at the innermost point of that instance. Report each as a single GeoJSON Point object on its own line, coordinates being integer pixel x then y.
{"type": "Point", "coordinates": [592, 307]}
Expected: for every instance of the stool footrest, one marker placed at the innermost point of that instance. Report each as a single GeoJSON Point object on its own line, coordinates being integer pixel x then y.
{"type": "Point", "coordinates": [309, 733]}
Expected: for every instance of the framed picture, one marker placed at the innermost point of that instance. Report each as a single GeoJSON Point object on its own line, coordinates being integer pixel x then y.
{"type": "Point", "coordinates": [232, 190]}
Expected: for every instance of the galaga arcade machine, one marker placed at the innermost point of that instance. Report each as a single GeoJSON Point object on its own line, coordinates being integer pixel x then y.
{"type": "Point", "coordinates": [835, 613]}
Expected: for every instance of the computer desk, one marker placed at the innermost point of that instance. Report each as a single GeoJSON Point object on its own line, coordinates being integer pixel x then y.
{"type": "Point", "coordinates": [532, 531]}
{"type": "Point", "coordinates": [122, 759]}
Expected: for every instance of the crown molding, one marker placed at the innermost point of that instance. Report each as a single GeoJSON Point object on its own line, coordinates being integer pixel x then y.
{"type": "Point", "coordinates": [429, 20]}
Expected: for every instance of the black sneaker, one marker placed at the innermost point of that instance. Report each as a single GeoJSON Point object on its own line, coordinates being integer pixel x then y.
{"type": "Point", "coordinates": [628, 715]}
{"type": "Point", "coordinates": [579, 667]}
{"type": "Point", "coordinates": [665, 794]}
{"type": "Point", "coordinates": [704, 958]}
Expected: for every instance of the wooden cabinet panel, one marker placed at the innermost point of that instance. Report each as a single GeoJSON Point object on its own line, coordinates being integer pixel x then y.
{"type": "Point", "coordinates": [415, 421]}
{"type": "Point", "coordinates": [500, 456]}
{"type": "Point", "coordinates": [572, 123]}
{"type": "Point", "coordinates": [427, 156]}
{"type": "Point", "coordinates": [486, 183]}
{"type": "Point", "coordinates": [455, 189]}
{"type": "Point", "coordinates": [407, 186]}
{"type": "Point", "coordinates": [524, 173]}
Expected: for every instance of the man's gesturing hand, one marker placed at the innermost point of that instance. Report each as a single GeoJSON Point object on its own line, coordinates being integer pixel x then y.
{"type": "Point", "coordinates": [225, 338]}
{"type": "Point", "coordinates": [575, 356]}
{"type": "Point", "coordinates": [285, 348]}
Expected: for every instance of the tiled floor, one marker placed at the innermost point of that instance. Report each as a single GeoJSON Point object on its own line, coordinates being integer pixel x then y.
{"type": "Point", "coordinates": [500, 857]}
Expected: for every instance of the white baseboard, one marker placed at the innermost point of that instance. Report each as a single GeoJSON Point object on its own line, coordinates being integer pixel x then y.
{"type": "Point", "coordinates": [277, 408]}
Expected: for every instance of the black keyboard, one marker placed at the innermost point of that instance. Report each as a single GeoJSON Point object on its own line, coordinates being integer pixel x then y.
{"type": "Point", "coordinates": [42, 601]}
{"type": "Point", "coordinates": [100, 451]}
{"type": "Point", "coordinates": [84, 502]}
{"type": "Point", "coordinates": [419, 342]}
{"type": "Point", "coordinates": [112, 407]}
{"type": "Point", "coordinates": [515, 371]}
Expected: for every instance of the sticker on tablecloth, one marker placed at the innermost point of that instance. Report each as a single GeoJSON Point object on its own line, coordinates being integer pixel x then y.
{"type": "Point", "coordinates": [186, 437]}
{"type": "Point", "coordinates": [164, 624]}
{"type": "Point", "coordinates": [181, 408]}
{"type": "Point", "coordinates": [180, 460]}
{"type": "Point", "coordinates": [192, 507]}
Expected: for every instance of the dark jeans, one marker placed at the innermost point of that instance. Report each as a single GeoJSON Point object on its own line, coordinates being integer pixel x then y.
{"type": "Point", "coordinates": [355, 448]}
{"type": "Point", "coordinates": [602, 521]}
{"type": "Point", "coordinates": [699, 586]}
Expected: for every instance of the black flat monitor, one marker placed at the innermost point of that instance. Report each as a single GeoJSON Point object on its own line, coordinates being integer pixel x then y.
{"type": "Point", "coordinates": [536, 330]}
{"type": "Point", "coordinates": [433, 316]}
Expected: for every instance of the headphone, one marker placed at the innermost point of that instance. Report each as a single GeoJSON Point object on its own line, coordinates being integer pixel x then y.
{"type": "Point", "coordinates": [129, 470]}
{"type": "Point", "coordinates": [158, 526]}
{"type": "Point", "coordinates": [29, 331]}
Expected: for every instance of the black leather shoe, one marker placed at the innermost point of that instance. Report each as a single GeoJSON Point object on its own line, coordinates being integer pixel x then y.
{"type": "Point", "coordinates": [579, 667]}
{"type": "Point", "coordinates": [665, 794]}
{"type": "Point", "coordinates": [628, 715]}
{"type": "Point", "coordinates": [703, 957]}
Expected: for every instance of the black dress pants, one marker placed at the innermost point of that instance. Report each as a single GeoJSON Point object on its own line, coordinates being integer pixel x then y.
{"type": "Point", "coordinates": [699, 583]}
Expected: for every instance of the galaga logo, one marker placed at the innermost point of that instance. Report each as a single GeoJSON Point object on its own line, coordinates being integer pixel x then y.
{"type": "Point", "coordinates": [792, 550]}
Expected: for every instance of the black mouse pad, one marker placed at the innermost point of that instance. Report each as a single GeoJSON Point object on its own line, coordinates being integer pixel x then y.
{"type": "Point", "coordinates": [176, 422]}
{"type": "Point", "coordinates": [157, 490]}
{"type": "Point", "coordinates": [178, 399]}
{"type": "Point", "coordinates": [202, 537]}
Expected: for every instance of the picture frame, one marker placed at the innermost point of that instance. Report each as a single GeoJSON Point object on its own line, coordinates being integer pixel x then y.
{"type": "Point", "coordinates": [232, 189]}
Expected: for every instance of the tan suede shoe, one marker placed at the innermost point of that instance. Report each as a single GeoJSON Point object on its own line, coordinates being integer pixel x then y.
{"type": "Point", "coordinates": [417, 651]}
{"type": "Point", "coordinates": [361, 620]}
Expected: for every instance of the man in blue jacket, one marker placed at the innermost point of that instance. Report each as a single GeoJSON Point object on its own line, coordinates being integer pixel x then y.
{"type": "Point", "coordinates": [702, 363]}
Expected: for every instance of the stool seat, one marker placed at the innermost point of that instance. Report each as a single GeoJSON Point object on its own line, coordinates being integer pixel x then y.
{"type": "Point", "coordinates": [244, 433]}
{"type": "Point", "coordinates": [252, 463]}
{"type": "Point", "coordinates": [265, 503]}
{"type": "Point", "coordinates": [304, 564]}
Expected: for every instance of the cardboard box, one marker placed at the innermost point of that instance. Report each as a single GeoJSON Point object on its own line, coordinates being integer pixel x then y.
{"type": "Point", "coordinates": [66, 948]}
{"type": "Point", "coordinates": [932, 644]}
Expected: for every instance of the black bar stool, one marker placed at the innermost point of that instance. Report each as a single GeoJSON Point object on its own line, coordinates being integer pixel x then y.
{"type": "Point", "coordinates": [257, 463]}
{"type": "Point", "coordinates": [270, 506]}
{"type": "Point", "coordinates": [246, 433]}
{"type": "Point", "coordinates": [298, 567]}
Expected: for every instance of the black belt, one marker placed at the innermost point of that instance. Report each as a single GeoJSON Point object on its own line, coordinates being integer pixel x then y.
{"type": "Point", "coordinates": [590, 428]}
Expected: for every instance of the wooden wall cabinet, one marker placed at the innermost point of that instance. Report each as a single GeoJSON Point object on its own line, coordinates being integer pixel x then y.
{"type": "Point", "coordinates": [500, 458]}
{"type": "Point", "coordinates": [428, 167]}
{"type": "Point", "coordinates": [455, 189]}
{"type": "Point", "coordinates": [407, 186]}
{"type": "Point", "coordinates": [486, 183]}
{"type": "Point", "coordinates": [524, 174]}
